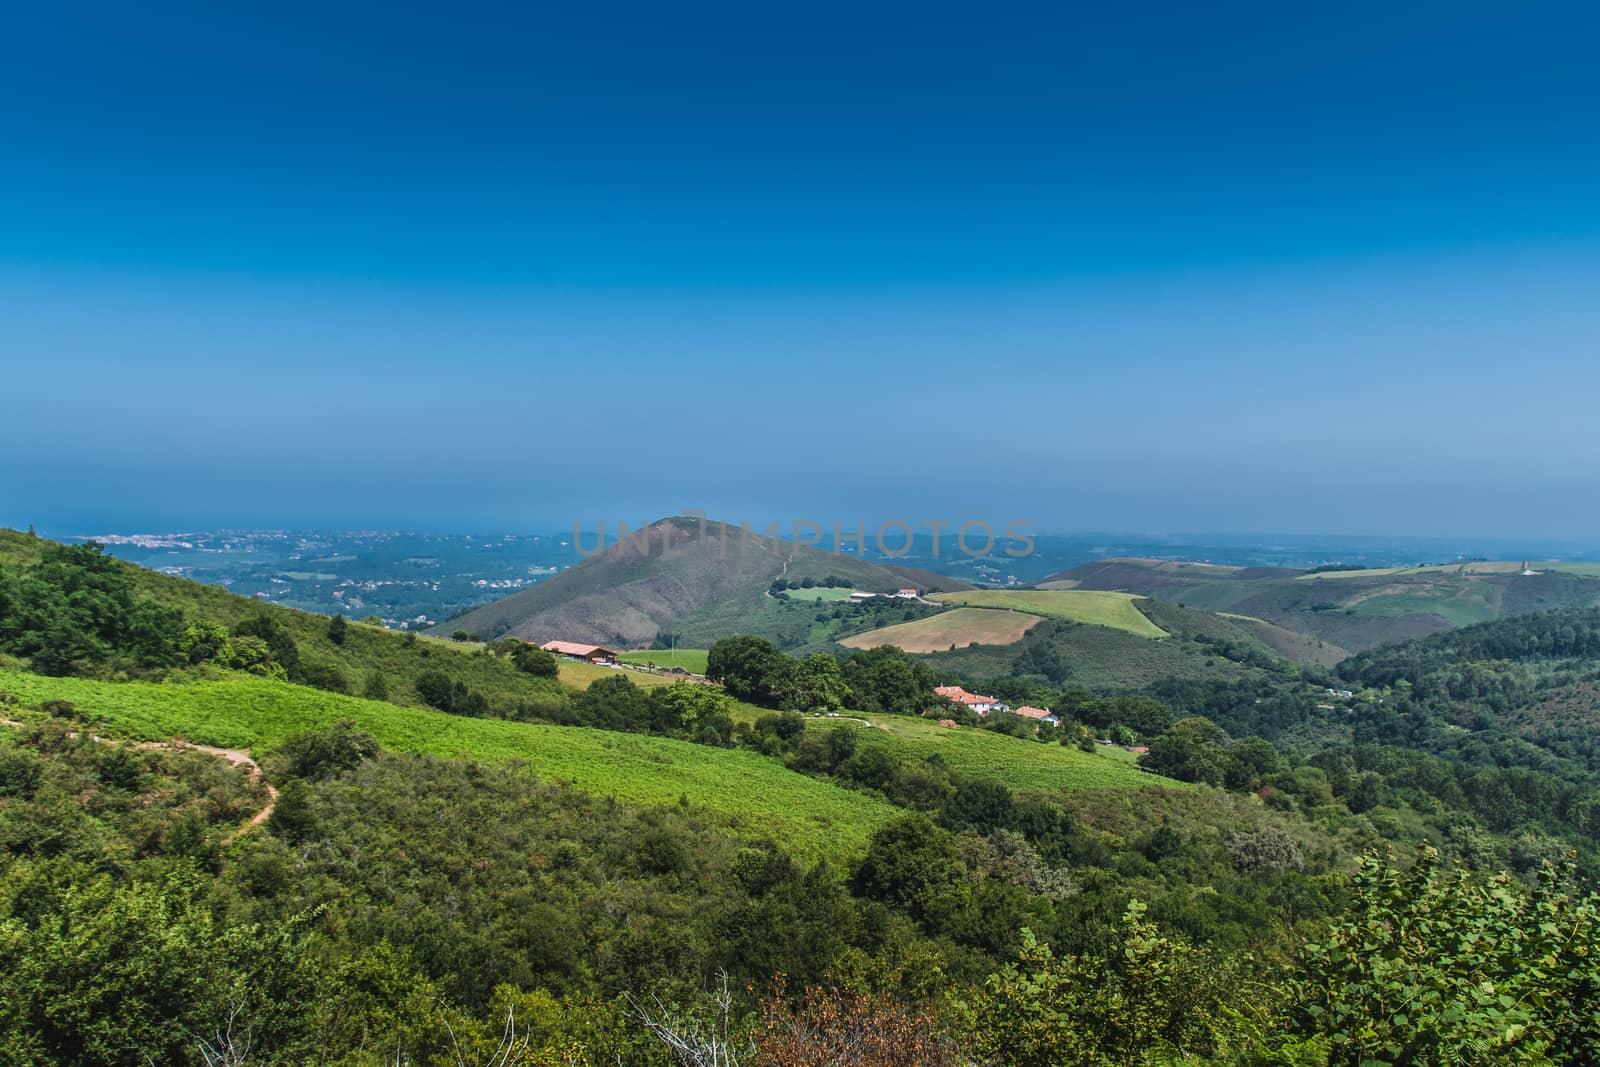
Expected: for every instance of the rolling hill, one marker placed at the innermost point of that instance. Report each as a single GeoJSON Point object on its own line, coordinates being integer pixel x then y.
{"type": "Point", "coordinates": [750, 794]}
{"type": "Point", "coordinates": [699, 581]}
{"type": "Point", "coordinates": [1348, 609]}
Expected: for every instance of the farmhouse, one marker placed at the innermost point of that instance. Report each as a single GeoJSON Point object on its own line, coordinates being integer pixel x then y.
{"type": "Point", "coordinates": [1044, 715]}
{"type": "Point", "coordinates": [906, 594]}
{"type": "Point", "coordinates": [588, 653]}
{"type": "Point", "coordinates": [981, 704]}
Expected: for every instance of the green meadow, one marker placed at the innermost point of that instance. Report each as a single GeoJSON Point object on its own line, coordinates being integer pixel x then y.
{"type": "Point", "coordinates": [692, 660]}
{"type": "Point", "coordinates": [1019, 763]}
{"type": "Point", "coordinates": [753, 795]}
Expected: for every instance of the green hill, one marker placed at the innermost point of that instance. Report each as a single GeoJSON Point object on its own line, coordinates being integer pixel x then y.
{"type": "Point", "coordinates": [1197, 645]}
{"type": "Point", "coordinates": [1348, 609]}
{"type": "Point", "coordinates": [369, 661]}
{"type": "Point", "coordinates": [698, 581]}
{"type": "Point", "coordinates": [1022, 764]}
{"type": "Point", "coordinates": [751, 794]}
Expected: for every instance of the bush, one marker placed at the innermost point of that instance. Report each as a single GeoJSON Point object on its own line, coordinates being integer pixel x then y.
{"type": "Point", "coordinates": [326, 675]}
{"type": "Point", "coordinates": [1265, 849]}
{"type": "Point", "coordinates": [323, 753]}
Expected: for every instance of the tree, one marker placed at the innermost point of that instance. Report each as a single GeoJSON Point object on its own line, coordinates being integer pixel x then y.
{"type": "Point", "coordinates": [885, 679]}
{"type": "Point", "coordinates": [613, 703]}
{"type": "Point", "coordinates": [321, 753]}
{"type": "Point", "coordinates": [531, 659]}
{"type": "Point", "coordinates": [203, 642]}
{"type": "Point", "coordinates": [749, 668]}
{"type": "Point", "coordinates": [912, 863]}
{"type": "Point", "coordinates": [815, 684]}
{"type": "Point", "coordinates": [278, 639]}
{"type": "Point", "coordinates": [336, 629]}
{"type": "Point", "coordinates": [1192, 751]}
{"type": "Point", "coordinates": [376, 686]}
{"type": "Point", "coordinates": [685, 708]}
{"type": "Point", "coordinates": [324, 674]}
{"type": "Point", "coordinates": [435, 689]}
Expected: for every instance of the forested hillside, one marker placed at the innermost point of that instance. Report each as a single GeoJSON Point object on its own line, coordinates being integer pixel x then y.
{"type": "Point", "coordinates": [450, 857]}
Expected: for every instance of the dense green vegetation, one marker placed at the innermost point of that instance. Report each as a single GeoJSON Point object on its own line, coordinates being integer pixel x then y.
{"type": "Point", "coordinates": [738, 789]}
{"type": "Point", "coordinates": [1390, 861]}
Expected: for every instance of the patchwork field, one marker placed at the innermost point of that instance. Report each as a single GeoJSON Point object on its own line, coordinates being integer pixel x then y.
{"type": "Point", "coordinates": [749, 793]}
{"type": "Point", "coordinates": [1094, 607]}
{"type": "Point", "coordinates": [958, 627]}
{"type": "Point", "coordinates": [692, 660]}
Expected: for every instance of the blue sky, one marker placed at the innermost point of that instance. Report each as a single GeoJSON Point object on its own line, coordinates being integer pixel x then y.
{"type": "Point", "coordinates": [1177, 268]}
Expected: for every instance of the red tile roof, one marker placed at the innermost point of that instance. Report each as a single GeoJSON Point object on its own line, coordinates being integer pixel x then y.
{"type": "Point", "coordinates": [961, 696]}
{"type": "Point", "coordinates": [1030, 712]}
{"type": "Point", "coordinates": [573, 648]}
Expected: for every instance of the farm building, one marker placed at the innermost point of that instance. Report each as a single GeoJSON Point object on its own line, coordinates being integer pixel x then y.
{"type": "Point", "coordinates": [981, 704]}
{"type": "Point", "coordinates": [861, 597]}
{"type": "Point", "coordinates": [906, 594]}
{"type": "Point", "coordinates": [589, 653]}
{"type": "Point", "coordinates": [1044, 715]}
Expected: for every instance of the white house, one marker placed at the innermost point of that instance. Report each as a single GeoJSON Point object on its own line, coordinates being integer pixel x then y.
{"type": "Point", "coordinates": [981, 704]}
{"type": "Point", "coordinates": [1043, 715]}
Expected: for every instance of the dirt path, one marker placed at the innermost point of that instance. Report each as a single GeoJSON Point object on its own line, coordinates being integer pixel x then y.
{"type": "Point", "coordinates": [238, 757]}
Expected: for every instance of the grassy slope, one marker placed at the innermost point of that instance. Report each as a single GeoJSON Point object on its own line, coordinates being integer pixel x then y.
{"type": "Point", "coordinates": [1027, 766]}
{"type": "Point", "coordinates": [1097, 608]}
{"type": "Point", "coordinates": [706, 587]}
{"type": "Point", "coordinates": [400, 658]}
{"type": "Point", "coordinates": [959, 627]}
{"type": "Point", "coordinates": [692, 660]}
{"type": "Point", "coordinates": [580, 675]}
{"type": "Point", "coordinates": [750, 793]}
{"type": "Point", "coordinates": [984, 754]}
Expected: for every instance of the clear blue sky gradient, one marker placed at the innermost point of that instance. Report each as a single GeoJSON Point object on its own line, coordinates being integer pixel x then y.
{"type": "Point", "coordinates": [1155, 268]}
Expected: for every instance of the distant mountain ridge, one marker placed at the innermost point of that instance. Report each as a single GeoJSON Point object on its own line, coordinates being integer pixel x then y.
{"type": "Point", "coordinates": [698, 579]}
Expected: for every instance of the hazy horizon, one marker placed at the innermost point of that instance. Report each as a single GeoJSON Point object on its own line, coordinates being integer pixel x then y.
{"type": "Point", "coordinates": [1250, 270]}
